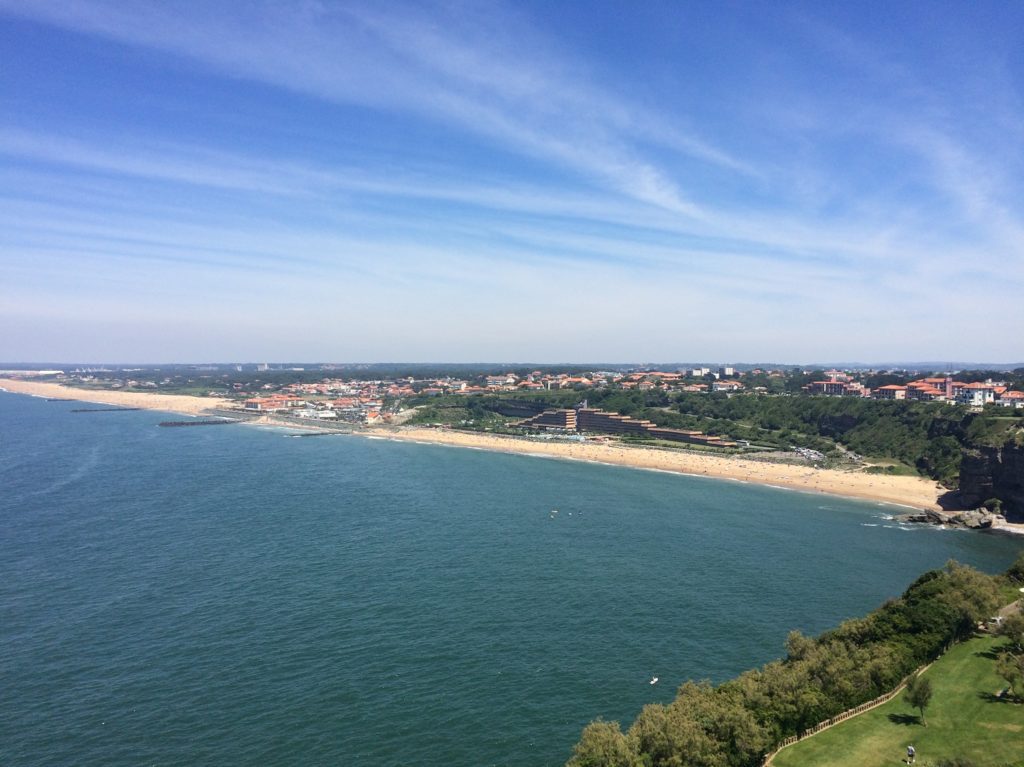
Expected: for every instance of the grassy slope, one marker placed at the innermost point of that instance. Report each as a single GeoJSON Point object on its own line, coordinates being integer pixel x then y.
{"type": "Point", "coordinates": [963, 719]}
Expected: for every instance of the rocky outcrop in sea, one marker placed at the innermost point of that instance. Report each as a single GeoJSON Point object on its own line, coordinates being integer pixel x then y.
{"type": "Point", "coordinates": [976, 519]}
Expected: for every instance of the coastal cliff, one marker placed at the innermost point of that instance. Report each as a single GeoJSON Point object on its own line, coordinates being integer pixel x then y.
{"type": "Point", "coordinates": [994, 472]}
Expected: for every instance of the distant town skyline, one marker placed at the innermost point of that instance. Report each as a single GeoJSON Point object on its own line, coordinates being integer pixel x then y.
{"type": "Point", "coordinates": [532, 181]}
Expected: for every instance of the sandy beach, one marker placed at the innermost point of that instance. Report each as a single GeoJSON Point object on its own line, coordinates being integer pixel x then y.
{"type": "Point", "coordinates": [166, 402]}
{"type": "Point", "coordinates": [913, 492]}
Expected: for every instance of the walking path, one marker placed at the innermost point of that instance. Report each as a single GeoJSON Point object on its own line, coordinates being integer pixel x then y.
{"type": "Point", "coordinates": [1004, 612]}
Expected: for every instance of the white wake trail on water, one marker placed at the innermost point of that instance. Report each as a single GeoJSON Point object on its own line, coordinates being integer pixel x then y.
{"type": "Point", "coordinates": [89, 462]}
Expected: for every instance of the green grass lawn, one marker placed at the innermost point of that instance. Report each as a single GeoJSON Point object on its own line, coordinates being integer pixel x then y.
{"type": "Point", "coordinates": [1009, 591]}
{"type": "Point", "coordinates": [964, 719]}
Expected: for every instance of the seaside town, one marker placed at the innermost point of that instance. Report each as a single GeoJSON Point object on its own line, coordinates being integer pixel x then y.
{"type": "Point", "coordinates": [897, 422]}
{"type": "Point", "coordinates": [459, 383]}
{"type": "Point", "coordinates": [313, 394]}
{"type": "Point", "coordinates": [923, 438]}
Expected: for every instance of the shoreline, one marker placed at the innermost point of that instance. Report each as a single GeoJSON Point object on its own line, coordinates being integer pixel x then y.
{"type": "Point", "coordinates": [909, 492]}
{"type": "Point", "coordinates": [168, 403]}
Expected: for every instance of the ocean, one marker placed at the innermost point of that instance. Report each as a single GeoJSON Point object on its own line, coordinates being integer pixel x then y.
{"type": "Point", "coordinates": [236, 595]}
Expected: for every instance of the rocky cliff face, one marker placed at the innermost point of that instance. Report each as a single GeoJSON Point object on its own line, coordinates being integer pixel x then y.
{"type": "Point", "coordinates": [994, 472]}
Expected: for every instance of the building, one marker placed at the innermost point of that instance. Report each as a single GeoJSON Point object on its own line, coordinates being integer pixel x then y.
{"type": "Point", "coordinates": [836, 388]}
{"type": "Point", "coordinates": [272, 403]}
{"type": "Point", "coordinates": [1011, 399]}
{"type": "Point", "coordinates": [923, 391]}
{"type": "Point", "coordinates": [592, 419]}
{"type": "Point", "coordinates": [892, 391]}
{"type": "Point", "coordinates": [557, 420]}
{"type": "Point", "coordinates": [595, 420]}
{"type": "Point", "coordinates": [837, 375]}
{"type": "Point", "coordinates": [976, 394]}
{"type": "Point", "coordinates": [829, 388]}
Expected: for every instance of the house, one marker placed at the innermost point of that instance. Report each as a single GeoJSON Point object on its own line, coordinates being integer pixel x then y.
{"type": "Point", "coordinates": [976, 394]}
{"type": "Point", "coordinates": [892, 391]}
{"type": "Point", "coordinates": [272, 403]}
{"type": "Point", "coordinates": [1011, 399]}
{"type": "Point", "coordinates": [829, 388]}
{"type": "Point", "coordinates": [924, 392]}
{"type": "Point", "coordinates": [836, 388]}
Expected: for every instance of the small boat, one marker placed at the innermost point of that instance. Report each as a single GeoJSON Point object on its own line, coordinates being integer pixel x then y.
{"type": "Point", "coordinates": [654, 680]}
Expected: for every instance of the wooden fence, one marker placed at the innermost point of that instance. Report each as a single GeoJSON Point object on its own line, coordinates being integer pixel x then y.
{"type": "Point", "coordinates": [982, 627]}
{"type": "Point", "coordinates": [843, 716]}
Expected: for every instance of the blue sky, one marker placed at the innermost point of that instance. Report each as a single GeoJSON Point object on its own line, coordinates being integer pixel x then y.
{"type": "Point", "coordinates": [531, 181]}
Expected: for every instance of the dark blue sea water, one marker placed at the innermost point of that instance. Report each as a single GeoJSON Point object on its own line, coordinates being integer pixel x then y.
{"type": "Point", "coordinates": [231, 595]}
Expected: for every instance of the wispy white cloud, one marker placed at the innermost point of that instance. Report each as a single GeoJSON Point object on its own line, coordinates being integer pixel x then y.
{"type": "Point", "coordinates": [464, 67]}
{"type": "Point", "coordinates": [810, 224]}
{"type": "Point", "coordinates": [954, 123]}
{"type": "Point", "coordinates": [447, 69]}
{"type": "Point", "coordinates": [774, 236]}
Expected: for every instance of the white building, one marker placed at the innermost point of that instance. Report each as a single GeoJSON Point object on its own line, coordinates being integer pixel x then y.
{"type": "Point", "coordinates": [975, 396]}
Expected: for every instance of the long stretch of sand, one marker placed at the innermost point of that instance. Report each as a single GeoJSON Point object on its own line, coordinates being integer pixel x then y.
{"type": "Point", "coordinates": [170, 403]}
{"type": "Point", "coordinates": [907, 491]}
{"type": "Point", "coordinates": [915, 492]}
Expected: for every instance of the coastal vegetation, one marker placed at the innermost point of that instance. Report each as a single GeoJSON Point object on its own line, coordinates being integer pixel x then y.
{"type": "Point", "coordinates": [772, 413]}
{"type": "Point", "coordinates": [894, 436]}
{"type": "Point", "coordinates": [970, 722]}
{"type": "Point", "coordinates": [735, 724]}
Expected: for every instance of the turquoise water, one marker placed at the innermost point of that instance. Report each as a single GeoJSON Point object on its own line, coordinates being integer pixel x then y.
{"type": "Point", "coordinates": [232, 595]}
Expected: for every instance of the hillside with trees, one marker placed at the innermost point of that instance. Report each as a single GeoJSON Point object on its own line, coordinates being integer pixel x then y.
{"type": "Point", "coordinates": [737, 723]}
{"type": "Point", "coordinates": [926, 438]}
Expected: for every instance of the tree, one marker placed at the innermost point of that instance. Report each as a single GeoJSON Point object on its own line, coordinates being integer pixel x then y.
{"type": "Point", "coordinates": [1013, 629]}
{"type": "Point", "coordinates": [668, 736]}
{"type": "Point", "coordinates": [603, 745]}
{"type": "Point", "coordinates": [1011, 668]}
{"type": "Point", "coordinates": [919, 694]}
{"type": "Point", "coordinates": [1016, 571]}
{"type": "Point", "coordinates": [972, 594]}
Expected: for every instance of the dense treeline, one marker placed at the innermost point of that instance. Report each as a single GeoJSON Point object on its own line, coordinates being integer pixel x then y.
{"type": "Point", "coordinates": [928, 438]}
{"type": "Point", "coordinates": [736, 723]}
